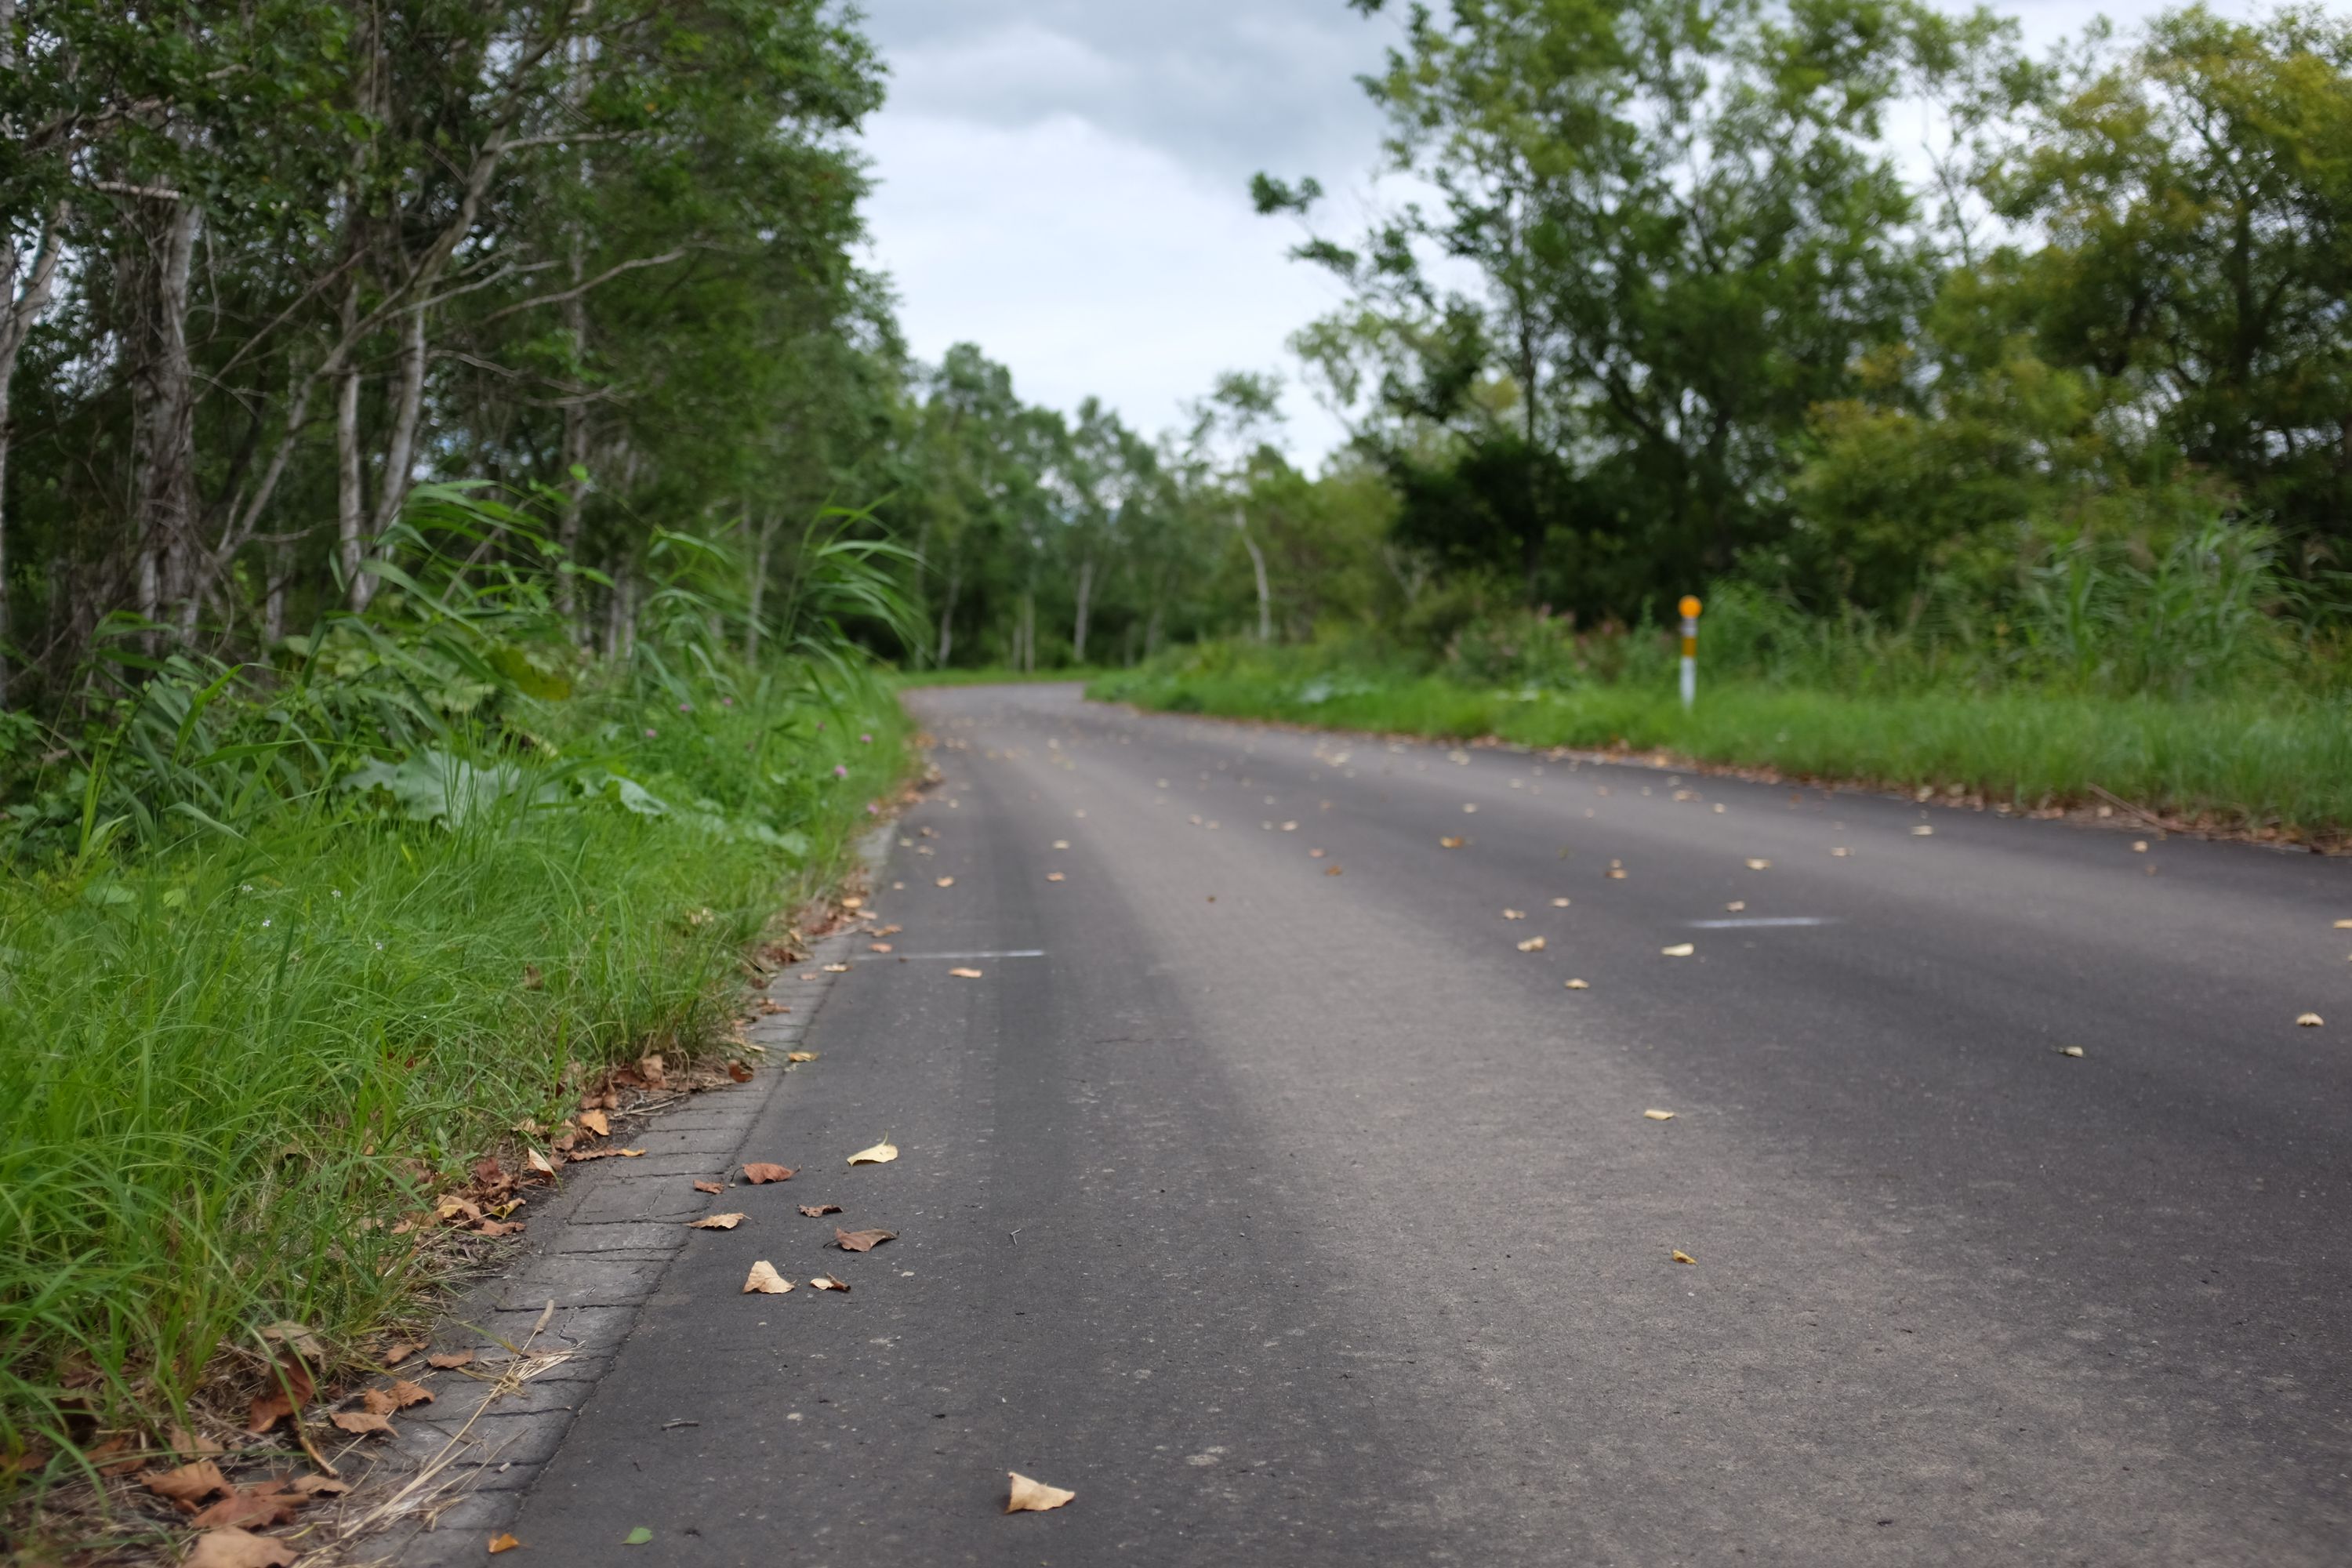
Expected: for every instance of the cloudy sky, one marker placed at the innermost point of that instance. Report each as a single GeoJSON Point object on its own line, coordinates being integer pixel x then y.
{"type": "Point", "coordinates": [1065, 182]}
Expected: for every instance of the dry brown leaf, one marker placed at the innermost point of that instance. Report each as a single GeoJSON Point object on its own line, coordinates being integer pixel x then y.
{"type": "Point", "coordinates": [835, 968]}
{"type": "Point", "coordinates": [261, 1506]}
{"type": "Point", "coordinates": [320, 1486]}
{"type": "Point", "coordinates": [877, 947]}
{"type": "Point", "coordinates": [1533, 944]}
{"type": "Point", "coordinates": [853, 903]}
{"type": "Point", "coordinates": [180, 1440]}
{"type": "Point", "coordinates": [538, 1162]}
{"type": "Point", "coordinates": [1559, 903]}
{"type": "Point", "coordinates": [2310, 1020]}
{"type": "Point", "coordinates": [1616, 873]}
{"type": "Point", "coordinates": [597, 1122]}
{"type": "Point", "coordinates": [1451, 843]}
{"type": "Point", "coordinates": [1061, 844]}
{"type": "Point", "coordinates": [738, 1071]}
{"type": "Point", "coordinates": [404, 1394]}
{"type": "Point", "coordinates": [1680, 950]}
{"type": "Point", "coordinates": [399, 1353]}
{"type": "Point", "coordinates": [879, 1155]}
{"type": "Point", "coordinates": [818, 1211]}
{"type": "Point", "coordinates": [965, 974]}
{"type": "Point", "coordinates": [1053, 876]}
{"type": "Point", "coordinates": [862, 1240]}
{"type": "Point", "coordinates": [1578, 985]}
{"type": "Point", "coordinates": [360, 1422]}
{"type": "Point", "coordinates": [800, 1055]}
{"type": "Point", "coordinates": [2344, 926]}
{"type": "Point", "coordinates": [827, 1282]}
{"type": "Point", "coordinates": [502, 1543]}
{"type": "Point", "coordinates": [451, 1359]}
{"type": "Point", "coordinates": [1759, 865]}
{"type": "Point", "coordinates": [1736, 906]}
{"type": "Point", "coordinates": [240, 1549]}
{"type": "Point", "coordinates": [1514, 914]}
{"type": "Point", "coordinates": [709, 1187]}
{"type": "Point", "coordinates": [1659, 1115]}
{"type": "Point", "coordinates": [1924, 831]}
{"type": "Point", "coordinates": [654, 1071]}
{"type": "Point", "coordinates": [760, 1172]}
{"type": "Point", "coordinates": [2139, 846]}
{"type": "Point", "coordinates": [2070, 1050]}
{"type": "Point", "coordinates": [717, 1222]}
{"type": "Point", "coordinates": [947, 881]}
{"type": "Point", "coordinates": [494, 1229]}
{"type": "Point", "coordinates": [1333, 871]}
{"type": "Point", "coordinates": [376, 1402]}
{"type": "Point", "coordinates": [764, 1280]}
{"type": "Point", "coordinates": [1682, 1256]}
{"type": "Point", "coordinates": [1841, 851]}
{"type": "Point", "coordinates": [189, 1483]}
{"type": "Point", "coordinates": [1034, 1497]}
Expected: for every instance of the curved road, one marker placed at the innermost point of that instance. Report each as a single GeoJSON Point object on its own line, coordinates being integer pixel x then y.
{"type": "Point", "coordinates": [1291, 1209]}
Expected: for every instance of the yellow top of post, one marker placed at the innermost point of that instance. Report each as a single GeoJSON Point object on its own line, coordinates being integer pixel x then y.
{"type": "Point", "coordinates": [1690, 607]}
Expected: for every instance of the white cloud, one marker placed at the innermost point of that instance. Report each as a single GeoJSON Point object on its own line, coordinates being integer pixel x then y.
{"type": "Point", "coordinates": [1087, 262]}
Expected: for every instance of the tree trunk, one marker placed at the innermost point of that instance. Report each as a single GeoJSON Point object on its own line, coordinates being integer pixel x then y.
{"type": "Point", "coordinates": [280, 568]}
{"type": "Point", "coordinates": [25, 305]}
{"type": "Point", "coordinates": [1152, 630]}
{"type": "Point", "coordinates": [1257, 564]}
{"type": "Point", "coordinates": [162, 391]}
{"type": "Point", "coordinates": [1085, 592]}
{"type": "Point", "coordinates": [351, 504]}
{"type": "Point", "coordinates": [947, 614]}
{"type": "Point", "coordinates": [399, 452]}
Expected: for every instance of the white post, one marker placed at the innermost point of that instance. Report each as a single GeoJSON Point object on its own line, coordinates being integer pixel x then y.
{"type": "Point", "coordinates": [1690, 608]}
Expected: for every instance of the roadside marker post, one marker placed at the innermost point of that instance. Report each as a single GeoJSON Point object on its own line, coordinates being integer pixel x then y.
{"type": "Point", "coordinates": [1690, 608]}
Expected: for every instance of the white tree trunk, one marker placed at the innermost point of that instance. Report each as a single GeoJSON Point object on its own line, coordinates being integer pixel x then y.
{"type": "Point", "coordinates": [25, 301]}
{"type": "Point", "coordinates": [1257, 564]}
{"type": "Point", "coordinates": [947, 614]}
{"type": "Point", "coordinates": [1085, 592]}
{"type": "Point", "coordinates": [351, 504]}
{"type": "Point", "coordinates": [164, 391]}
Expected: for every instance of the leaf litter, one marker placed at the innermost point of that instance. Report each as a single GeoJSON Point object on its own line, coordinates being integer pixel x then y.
{"type": "Point", "coordinates": [881, 1154]}
{"type": "Point", "coordinates": [764, 1280]}
{"type": "Point", "coordinates": [1029, 1495]}
{"type": "Point", "coordinates": [861, 1240]}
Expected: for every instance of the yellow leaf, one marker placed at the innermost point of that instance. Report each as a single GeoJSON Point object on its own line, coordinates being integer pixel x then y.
{"type": "Point", "coordinates": [1659, 1115]}
{"type": "Point", "coordinates": [632, 1153]}
{"type": "Point", "coordinates": [1053, 876]}
{"type": "Point", "coordinates": [765, 1280]}
{"type": "Point", "coordinates": [538, 1162]}
{"type": "Point", "coordinates": [1680, 950]}
{"type": "Point", "coordinates": [947, 881]}
{"type": "Point", "coordinates": [596, 1122]}
{"type": "Point", "coordinates": [2311, 1020]}
{"type": "Point", "coordinates": [827, 1282]}
{"type": "Point", "coordinates": [2070, 1050]}
{"type": "Point", "coordinates": [1759, 865]}
{"type": "Point", "coordinates": [800, 1055]}
{"type": "Point", "coordinates": [2344, 926]}
{"type": "Point", "coordinates": [502, 1543]}
{"type": "Point", "coordinates": [1682, 1256]}
{"type": "Point", "coordinates": [1533, 944]}
{"type": "Point", "coordinates": [1458, 843]}
{"type": "Point", "coordinates": [717, 1222]}
{"type": "Point", "coordinates": [965, 974]}
{"type": "Point", "coordinates": [1578, 985]}
{"type": "Point", "coordinates": [1034, 1497]}
{"type": "Point", "coordinates": [881, 1154]}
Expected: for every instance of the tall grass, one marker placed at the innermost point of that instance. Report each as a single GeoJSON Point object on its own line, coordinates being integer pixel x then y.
{"type": "Point", "coordinates": [281, 950]}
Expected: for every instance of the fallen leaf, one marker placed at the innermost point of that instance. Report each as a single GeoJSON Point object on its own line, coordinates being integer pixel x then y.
{"type": "Point", "coordinates": [180, 1440]}
{"type": "Point", "coordinates": [709, 1187]}
{"type": "Point", "coordinates": [862, 1240]}
{"type": "Point", "coordinates": [452, 1359]}
{"type": "Point", "coordinates": [717, 1222]}
{"type": "Point", "coordinates": [881, 1154]}
{"type": "Point", "coordinates": [493, 1229]}
{"type": "Point", "coordinates": [1061, 844]}
{"type": "Point", "coordinates": [1682, 1256]}
{"type": "Point", "coordinates": [1616, 873]}
{"type": "Point", "coordinates": [596, 1122]}
{"type": "Point", "coordinates": [652, 1068]}
{"type": "Point", "coordinates": [2344, 926]}
{"type": "Point", "coordinates": [638, 1536]}
{"type": "Point", "coordinates": [1578, 985]}
{"type": "Point", "coordinates": [538, 1162]}
{"type": "Point", "coordinates": [827, 1282]}
{"type": "Point", "coordinates": [818, 1211]}
{"type": "Point", "coordinates": [240, 1549]}
{"type": "Point", "coordinates": [760, 1174]}
{"type": "Point", "coordinates": [853, 903]}
{"type": "Point", "coordinates": [1469, 808]}
{"type": "Point", "coordinates": [1841, 851]}
{"type": "Point", "coordinates": [320, 1486]}
{"type": "Point", "coordinates": [2139, 846]}
{"type": "Point", "coordinates": [262, 1505]}
{"type": "Point", "coordinates": [1559, 903]}
{"type": "Point", "coordinates": [1736, 906]}
{"type": "Point", "coordinates": [1451, 843]}
{"type": "Point", "coordinates": [2310, 1020]}
{"type": "Point", "coordinates": [800, 1055]}
{"type": "Point", "coordinates": [878, 947]}
{"type": "Point", "coordinates": [1053, 876]}
{"type": "Point", "coordinates": [1514, 914]}
{"type": "Point", "coordinates": [1034, 1497]}
{"type": "Point", "coordinates": [502, 1543]}
{"type": "Point", "coordinates": [1659, 1115]}
{"type": "Point", "coordinates": [1759, 865]}
{"type": "Point", "coordinates": [1680, 950]}
{"type": "Point", "coordinates": [738, 1072]}
{"type": "Point", "coordinates": [835, 968]}
{"type": "Point", "coordinates": [965, 974]}
{"type": "Point", "coordinates": [360, 1422]}
{"type": "Point", "coordinates": [628, 1154]}
{"type": "Point", "coordinates": [399, 1353]}
{"type": "Point", "coordinates": [1533, 944]}
{"type": "Point", "coordinates": [1333, 871]}
{"type": "Point", "coordinates": [189, 1483]}
{"type": "Point", "coordinates": [2070, 1050]}
{"type": "Point", "coordinates": [1924, 831]}
{"type": "Point", "coordinates": [297, 1337]}
{"type": "Point", "coordinates": [406, 1393]}
{"type": "Point", "coordinates": [765, 1280]}
{"type": "Point", "coordinates": [947, 881]}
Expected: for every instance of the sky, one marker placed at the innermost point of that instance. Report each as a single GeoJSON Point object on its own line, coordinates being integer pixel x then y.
{"type": "Point", "coordinates": [1066, 183]}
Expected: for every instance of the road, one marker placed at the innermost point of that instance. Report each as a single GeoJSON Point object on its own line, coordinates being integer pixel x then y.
{"type": "Point", "coordinates": [1267, 1190]}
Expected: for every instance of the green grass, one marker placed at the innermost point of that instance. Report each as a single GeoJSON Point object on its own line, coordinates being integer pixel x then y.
{"type": "Point", "coordinates": [2277, 762]}
{"type": "Point", "coordinates": [228, 1067]}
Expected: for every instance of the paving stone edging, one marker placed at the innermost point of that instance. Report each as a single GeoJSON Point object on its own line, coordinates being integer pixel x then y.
{"type": "Point", "coordinates": [597, 1251]}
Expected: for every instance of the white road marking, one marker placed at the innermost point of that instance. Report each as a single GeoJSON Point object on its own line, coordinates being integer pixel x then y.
{"type": "Point", "coordinates": [1763, 920]}
{"type": "Point", "coordinates": [1015, 952]}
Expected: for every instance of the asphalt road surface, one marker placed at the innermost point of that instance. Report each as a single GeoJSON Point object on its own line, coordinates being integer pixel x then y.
{"type": "Point", "coordinates": [1267, 1190]}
